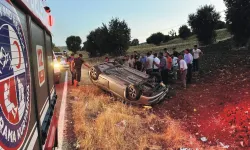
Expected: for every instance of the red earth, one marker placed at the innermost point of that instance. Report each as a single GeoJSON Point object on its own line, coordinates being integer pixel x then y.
{"type": "Point", "coordinates": [216, 107]}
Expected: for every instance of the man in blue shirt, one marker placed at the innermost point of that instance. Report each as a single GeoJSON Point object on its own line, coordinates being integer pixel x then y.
{"type": "Point", "coordinates": [143, 60]}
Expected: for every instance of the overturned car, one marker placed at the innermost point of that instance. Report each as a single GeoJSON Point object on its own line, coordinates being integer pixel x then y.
{"type": "Point", "coordinates": [131, 85]}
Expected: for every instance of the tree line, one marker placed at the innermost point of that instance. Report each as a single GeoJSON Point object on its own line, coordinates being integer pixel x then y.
{"type": "Point", "coordinates": [115, 38]}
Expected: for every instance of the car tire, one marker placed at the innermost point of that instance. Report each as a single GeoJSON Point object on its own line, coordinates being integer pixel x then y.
{"type": "Point", "coordinates": [94, 73]}
{"type": "Point", "coordinates": [133, 92]}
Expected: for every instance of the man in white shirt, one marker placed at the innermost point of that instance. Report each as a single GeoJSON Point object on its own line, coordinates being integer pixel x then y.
{"type": "Point", "coordinates": [150, 61]}
{"type": "Point", "coordinates": [175, 65]}
{"type": "Point", "coordinates": [189, 60]}
{"type": "Point", "coordinates": [131, 61]}
{"type": "Point", "coordinates": [197, 52]}
{"type": "Point", "coordinates": [156, 63]}
{"type": "Point", "coordinates": [151, 54]}
{"type": "Point", "coordinates": [183, 71]}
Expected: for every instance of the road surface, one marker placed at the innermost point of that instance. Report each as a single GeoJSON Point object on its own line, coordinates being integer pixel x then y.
{"type": "Point", "coordinates": [63, 108]}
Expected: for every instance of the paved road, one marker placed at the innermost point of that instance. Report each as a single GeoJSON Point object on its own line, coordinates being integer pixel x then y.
{"type": "Point", "coordinates": [61, 90]}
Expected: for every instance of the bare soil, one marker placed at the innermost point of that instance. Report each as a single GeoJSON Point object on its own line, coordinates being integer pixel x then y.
{"type": "Point", "coordinates": [214, 108]}
{"type": "Point", "coordinates": [217, 104]}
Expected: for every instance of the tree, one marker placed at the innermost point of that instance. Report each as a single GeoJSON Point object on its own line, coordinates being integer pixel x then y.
{"type": "Point", "coordinates": [172, 34]}
{"type": "Point", "coordinates": [238, 19]}
{"type": "Point", "coordinates": [156, 38]}
{"type": "Point", "coordinates": [134, 42]}
{"type": "Point", "coordinates": [203, 23]}
{"type": "Point", "coordinates": [166, 38]}
{"type": "Point", "coordinates": [184, 32]}
{"type": "Point", "coordinates": [113, 39]}
{"type": "Point", "coordinates": [73, 43]}
{"type": "Point", "coordinates": [220, 25]}
{"type": "Point", "coordinates": [119, 36]}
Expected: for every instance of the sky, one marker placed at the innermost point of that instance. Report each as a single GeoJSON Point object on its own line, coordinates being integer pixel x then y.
{"type": "Point", "coordinates": [144, 17]}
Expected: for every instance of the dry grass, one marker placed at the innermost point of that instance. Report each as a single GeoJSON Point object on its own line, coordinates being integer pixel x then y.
{"type": "Point", "coordinates": [102, 123]}
{"type": "Point", "coordinates": [178, 43]}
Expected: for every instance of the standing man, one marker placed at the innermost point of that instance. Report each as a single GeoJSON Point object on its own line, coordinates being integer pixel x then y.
{"type": "Point", "coordinates": [71, 67]}
{"type": "Point", "coordinates": [156, 63]}
{"type": "Point", "coordinates": [175, 65]}
{"type": "Point", "coordinates": [131, 61]}
{"type": "Point", "coordinates": [126, 59]}
{"type": "Point", "coordinates": [135, 54]}
{"type": "Point", "coordinates": [183, 71]}
{"type": "Point", "coordinates": [165, 51]}
{"type": "Point", "coordinates": [169, 61]}
{"type": "Point", "coordinates": [197, 53]}
{"type": "Point", "coordinates": [143, 60]}
{"type": "Point", "coordinates": [189, 60]}
{"type": "Point", "coordinates": [138, 64]}
{"type": "Point", "coordinates": [78, 67]}
{"type": "Point", "coordinates": [149, 65]}
{"type": "Point", "coordinates": [163, 68]}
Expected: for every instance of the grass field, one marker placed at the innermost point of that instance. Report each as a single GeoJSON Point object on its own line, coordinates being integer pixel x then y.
{"type": "Point", "coordinates": [178, 43]}
{"type": "Point", "coordinates": [101, 122]}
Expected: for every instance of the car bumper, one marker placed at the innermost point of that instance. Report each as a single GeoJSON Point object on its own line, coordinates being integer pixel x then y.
{"type": "Point", "coordinates": [146, 100]}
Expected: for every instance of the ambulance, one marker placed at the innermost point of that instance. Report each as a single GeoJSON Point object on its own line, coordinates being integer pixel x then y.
{"type": "Point", "coordinates": [28, 117]}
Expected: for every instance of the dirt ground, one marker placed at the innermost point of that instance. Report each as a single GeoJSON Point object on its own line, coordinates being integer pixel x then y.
{"type": "Point", "coordinates": [214, 108]}
{"type": "Point", "coordinates": [217, 105]}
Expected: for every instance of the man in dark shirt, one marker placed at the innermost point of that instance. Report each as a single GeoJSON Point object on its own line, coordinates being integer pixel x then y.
{"type": "Point", "coordinates": [163, 68]}
{"type": "Point", "coordinates": [138, 64]}
{"type": "Point", "coordinates": [78, 66]}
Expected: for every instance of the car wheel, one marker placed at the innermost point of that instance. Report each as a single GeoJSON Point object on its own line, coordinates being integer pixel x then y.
{"type": "Point", "coordinates": [133, 92]}
{"type": "Point", "coordinates": [94, 73]}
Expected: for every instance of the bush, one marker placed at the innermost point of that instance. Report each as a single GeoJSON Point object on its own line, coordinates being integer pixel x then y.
{"type": "Point", "coordinates": [203, 24]}
{"type": "Point", "coordinates": [238, 19]}
{"type": "Point", "coordinates": [156, 38]}
{"type": "Point", "coordinates": [134, 42]}
{"type": "Point", "coordinates": [184, 32]}
{"type": "Point", "coordinates": [220, 25]}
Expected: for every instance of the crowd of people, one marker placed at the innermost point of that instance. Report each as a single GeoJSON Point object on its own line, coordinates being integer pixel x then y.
{"type": "Point", "coordinates": [164, 64]}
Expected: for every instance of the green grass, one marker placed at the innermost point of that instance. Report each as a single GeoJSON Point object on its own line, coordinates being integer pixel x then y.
{"type": "Point", "coordinates": [178, 43]}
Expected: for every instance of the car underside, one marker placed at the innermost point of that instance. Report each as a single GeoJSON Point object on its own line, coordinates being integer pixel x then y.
{"type": "Point", "coordinates": [127, 83]}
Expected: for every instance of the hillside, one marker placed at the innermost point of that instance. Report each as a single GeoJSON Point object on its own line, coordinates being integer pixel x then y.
{"type": "Point", "coordinates": [215, 108]}
{"type": "Point", "coordinates": [178, 43]}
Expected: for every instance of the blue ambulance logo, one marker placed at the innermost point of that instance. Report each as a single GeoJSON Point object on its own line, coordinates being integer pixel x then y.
{"type": "Point", "coordinates": [14, 82]}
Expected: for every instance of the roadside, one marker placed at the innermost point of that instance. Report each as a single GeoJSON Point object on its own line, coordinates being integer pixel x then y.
{"type": "Point", "coordinates": [102, 122]}
{"type": "Point", "coordinates": [211, 114]}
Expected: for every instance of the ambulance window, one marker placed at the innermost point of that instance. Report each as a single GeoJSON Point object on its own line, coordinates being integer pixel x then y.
{"type": "Point", "coordinates": [40, 69]}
